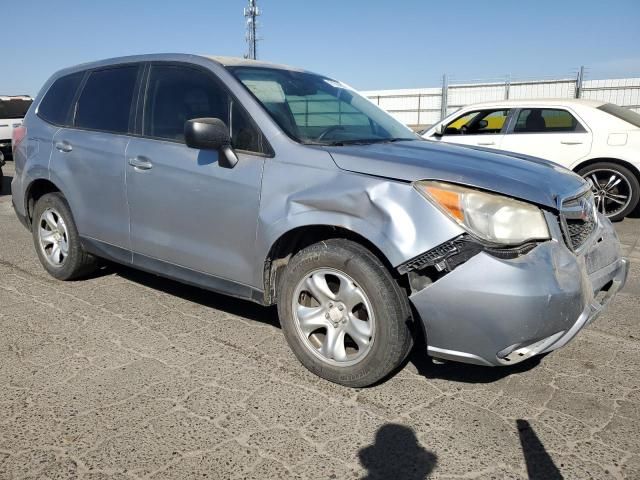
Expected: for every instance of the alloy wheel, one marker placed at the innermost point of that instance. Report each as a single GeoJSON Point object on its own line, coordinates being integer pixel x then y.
{"type": "Point", "coordinates": [53, 237]}
{"type": "Point", "coordinates": [612, 191]}
{"type": "Point", "coordinates": [334, 317]}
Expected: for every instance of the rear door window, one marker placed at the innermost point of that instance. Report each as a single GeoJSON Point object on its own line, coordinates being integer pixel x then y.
{"type": "Point", "coordinates": [478, 122]}
{"type": "Point", "coordinates": [56, 104]}
{"type": "Point", "coordinates": [546, 120]}
{"type": "Point", "coordinates": [105, 101]}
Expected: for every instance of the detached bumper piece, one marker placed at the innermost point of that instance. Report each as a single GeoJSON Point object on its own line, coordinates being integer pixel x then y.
{"type": "Point", "coordinates": [500, 311]}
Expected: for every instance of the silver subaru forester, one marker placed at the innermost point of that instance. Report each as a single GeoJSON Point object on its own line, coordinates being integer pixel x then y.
{"type": "Point", "coordinates": [280, 186]}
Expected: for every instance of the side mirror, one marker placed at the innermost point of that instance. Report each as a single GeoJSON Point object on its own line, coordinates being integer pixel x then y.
{"type": "Point", "coordinates": [482, 124]}
{"type": "Point", "coordinates": [440, 130]}
{"type": "Point", "coordinates": [211, 134]}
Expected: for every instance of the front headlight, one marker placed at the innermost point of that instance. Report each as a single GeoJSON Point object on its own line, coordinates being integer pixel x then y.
{"type": "Point", "coordinates": [491, 217]}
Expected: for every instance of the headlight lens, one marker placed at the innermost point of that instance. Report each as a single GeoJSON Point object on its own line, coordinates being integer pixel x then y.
{"type": "Point", "coordinates": [494, 218]}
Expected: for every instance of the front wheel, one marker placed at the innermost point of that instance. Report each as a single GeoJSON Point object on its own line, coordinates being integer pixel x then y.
{"type": "Point", "coordinates": [343, 315]}
{"type": "Point", "coordinates": [615, 187]}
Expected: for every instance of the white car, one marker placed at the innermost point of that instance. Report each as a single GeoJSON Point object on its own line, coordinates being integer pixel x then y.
{"type": "Point", "coordinates": [12, 111]}
{"type": "Point", "coordinates": [598, 140]}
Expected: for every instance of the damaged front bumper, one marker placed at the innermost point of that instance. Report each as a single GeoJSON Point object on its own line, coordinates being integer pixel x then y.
{"type": "Point", "coordinates": [495, 311]}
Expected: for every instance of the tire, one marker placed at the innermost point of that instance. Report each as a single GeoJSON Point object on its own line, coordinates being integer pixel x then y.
{"type": "Point", "coordinates": [625, 185]}
{"type": "Point", "coordinates": [52, 214]}
{"type": "Point", "coordinates": [352, 274]}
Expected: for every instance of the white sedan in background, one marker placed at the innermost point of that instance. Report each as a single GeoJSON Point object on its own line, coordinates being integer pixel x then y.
{"type": "Point", "coordinates": [600, 141]}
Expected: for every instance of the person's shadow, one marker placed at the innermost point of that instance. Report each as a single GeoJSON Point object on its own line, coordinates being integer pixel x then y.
{"type": "Point", "coordinates": [396, 453]}
{"type": "Point", "coordinates": [540, 465]}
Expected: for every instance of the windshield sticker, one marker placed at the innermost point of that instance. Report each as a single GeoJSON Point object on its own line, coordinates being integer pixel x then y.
{"type": "Point", "coordinates": [267, 91]}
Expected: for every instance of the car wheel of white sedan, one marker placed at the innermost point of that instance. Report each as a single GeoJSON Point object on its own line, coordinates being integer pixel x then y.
{"type": "Point", "coordinates": [615, 187]}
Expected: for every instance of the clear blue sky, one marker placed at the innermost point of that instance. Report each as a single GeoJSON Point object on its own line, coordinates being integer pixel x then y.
{"type": "Point", "coordinates": [368, 44]}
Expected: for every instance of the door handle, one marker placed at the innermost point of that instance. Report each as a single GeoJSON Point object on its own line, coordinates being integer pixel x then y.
{"type": "Point", "coordinates": [570, 142]}
{"type": "Point", "coordinates": [64, 146]}
{"type": "Point", "coordinates": [486, 143]}
{"type": "Point", "coordinates": [140, 163]}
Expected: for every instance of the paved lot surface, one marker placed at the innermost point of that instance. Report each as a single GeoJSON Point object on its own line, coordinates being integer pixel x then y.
{"type": "Point", "coordinates": [127, 375]}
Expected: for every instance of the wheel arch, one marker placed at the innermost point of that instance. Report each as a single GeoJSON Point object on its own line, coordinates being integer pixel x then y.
{"type": "Point", "coordinates": [623, 163]}
{"type": "Point", "coordinates": [298, 238]}
{"type": "Point", "coordinates": [34, 191]}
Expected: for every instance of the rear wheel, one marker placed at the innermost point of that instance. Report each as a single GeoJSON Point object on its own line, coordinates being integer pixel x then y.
{"type": "Point", "coordinates": [56, 239]}
{"type": "Point", "coordinates": [343, 315]}
{"type": "Point", "coordinates": [615, 187]}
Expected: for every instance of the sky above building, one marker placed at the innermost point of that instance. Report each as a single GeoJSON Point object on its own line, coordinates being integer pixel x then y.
{"type": "Point", "coordinates": [370, 44]}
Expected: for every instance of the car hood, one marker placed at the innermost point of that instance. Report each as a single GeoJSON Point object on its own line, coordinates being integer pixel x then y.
{"type": "Point", "coordinates": [515, 175]}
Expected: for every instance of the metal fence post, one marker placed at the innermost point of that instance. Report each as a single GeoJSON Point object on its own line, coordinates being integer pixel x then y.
{"type": "Point", "coordinates": [507, 87]}
{"type": "Point", "coordinates": [579, 81]}
{"type": "Point", "coordinates": [444, 103]}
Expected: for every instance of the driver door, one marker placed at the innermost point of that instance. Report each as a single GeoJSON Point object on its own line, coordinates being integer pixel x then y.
{"type": "Point", "coordinates": [484, 128]}
{"type": "Point", "coordinates": [185, 209]}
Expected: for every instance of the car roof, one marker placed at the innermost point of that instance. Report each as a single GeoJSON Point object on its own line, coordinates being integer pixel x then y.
{"type": "Point", "coordinates": [534, 102]}
{"type": "Point", "coordinates": [177, 57]}
{"type": "Point", "coordinates": [245, 62]}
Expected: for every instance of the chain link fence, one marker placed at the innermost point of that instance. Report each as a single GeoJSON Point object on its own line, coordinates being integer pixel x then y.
{"type": "Point", "coordinates": [420, 108]}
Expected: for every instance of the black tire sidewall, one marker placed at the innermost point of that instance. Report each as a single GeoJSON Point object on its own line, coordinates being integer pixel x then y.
{"type": "Point", "coordinates": [623, 171]}
{"type": "Point", "coordinates": [392, 340]}
{"type": "Point", "coordinates": [77, 262]}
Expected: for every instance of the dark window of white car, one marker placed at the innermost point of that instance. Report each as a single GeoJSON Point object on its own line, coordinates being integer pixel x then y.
{"type": "Point", "coordinates": [56, 104]}
{"type": "Point", "coordinates": [14, 108]}
{"type": "Point", "coordinates": [478, 122]}
{"type": "Point", "coordinates": [625, 114]}
{"type": "Point", "coordinates": [176, 94]}
{"type": "Point", "coordinates": [105, 101]}
{"type": "Point", "coordinates": [313, 109]}
{"type": "Point", "coordinates": [546, 120]}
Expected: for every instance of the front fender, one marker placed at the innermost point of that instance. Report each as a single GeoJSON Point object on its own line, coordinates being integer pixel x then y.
{"type": "Point", "coordinates": [390, 214]}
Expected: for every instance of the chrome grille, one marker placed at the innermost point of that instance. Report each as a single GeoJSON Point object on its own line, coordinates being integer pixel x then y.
{"type": "Point", "coordinates": [578, 219]}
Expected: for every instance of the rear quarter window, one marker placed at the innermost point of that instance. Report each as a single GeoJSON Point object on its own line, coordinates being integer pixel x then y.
{"type": "Point", "coordinates": [55, 107]}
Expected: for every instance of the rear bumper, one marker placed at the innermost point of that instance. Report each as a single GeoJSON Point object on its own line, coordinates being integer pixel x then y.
{"type": "Point", "coordinates": [492, 311]}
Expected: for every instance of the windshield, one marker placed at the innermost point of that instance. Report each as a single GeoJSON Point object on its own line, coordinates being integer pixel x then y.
{"type": "Point", "coordinates": [625, 114]}
{"type": "Point", "coordinates": [14, 108]}
{"type": "Point", "coordinates": [317, 110]}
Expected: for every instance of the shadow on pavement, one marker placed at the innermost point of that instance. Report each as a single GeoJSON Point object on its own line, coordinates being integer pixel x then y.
{"type": "Point", "coordinates": [396, 453]}
{"type": "Point", "coordinates": [463, 372]}
{"type": "Point", "coordinates": [540, 466]}
{"type": "Point", "coordinates": [206, 298]}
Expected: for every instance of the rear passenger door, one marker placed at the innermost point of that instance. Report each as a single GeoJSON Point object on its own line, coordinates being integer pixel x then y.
{"type": "Point", "coordinates": [89, 155]}
{"type": "Point", "coordinates": [187, 210]}
{"type": "Point", "coordinates": [484, 128]}
{"type": "Point", "coordinates": [554, 134]}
